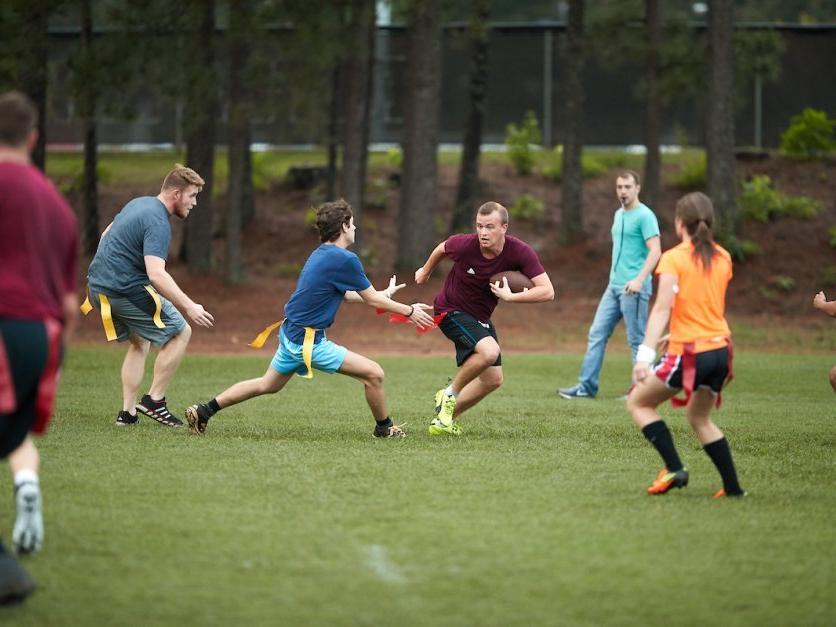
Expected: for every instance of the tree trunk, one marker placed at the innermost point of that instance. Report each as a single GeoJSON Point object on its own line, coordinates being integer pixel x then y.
{"type": "Point", "coordinates": [32, 76]}
{"type": "Point", "coordinates": [721, 178]}
{"type": "Point", "coordinates": [357, 105]}
{"type": "Point", "coordinates": [333, 135]}
{"type": "Point", "coordinates": [200, 113]}
{"type": "Point", "coordinates": [247, 189]}
{"type": "Point", "coordinates": [468, 191]}
{"type": "Point", "coordinates": [572, 189]}
{"type": "Point", "coordinates": [87, 110]}
{"type": "Point", "coordinates": [419, 188]}
{"type": "Point", "coordinates": [653, 110]}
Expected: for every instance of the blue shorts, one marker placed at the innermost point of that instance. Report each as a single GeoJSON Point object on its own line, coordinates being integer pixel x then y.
{"type": "Point", "coordinates": [327, 356]}
{"type": "Point", "coordinates": [133, 314]}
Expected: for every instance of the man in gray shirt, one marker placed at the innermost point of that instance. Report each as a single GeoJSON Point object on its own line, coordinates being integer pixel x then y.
{"type": "Point", "coordinates": [139, 300]}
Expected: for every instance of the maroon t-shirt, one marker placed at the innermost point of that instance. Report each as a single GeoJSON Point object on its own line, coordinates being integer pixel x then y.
{"type": "Point", "coordinates": [38, 245]}
{"type": "Point", "coordinates": [467, 287]}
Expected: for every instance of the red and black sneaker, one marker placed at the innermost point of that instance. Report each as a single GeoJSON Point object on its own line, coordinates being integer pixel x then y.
{"type": "Point", "coordinates": [157, 410]}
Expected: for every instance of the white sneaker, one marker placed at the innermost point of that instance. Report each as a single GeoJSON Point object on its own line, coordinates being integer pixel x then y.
{"type": "Point", "coordinates": [28, 533]}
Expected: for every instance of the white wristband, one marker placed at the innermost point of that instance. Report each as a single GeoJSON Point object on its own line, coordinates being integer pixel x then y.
{"type": "Point", "coordinates": [645, 354]}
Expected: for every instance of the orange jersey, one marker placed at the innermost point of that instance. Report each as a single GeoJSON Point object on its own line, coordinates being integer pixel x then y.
{"type": "Point", "coordinates": [698, 313]}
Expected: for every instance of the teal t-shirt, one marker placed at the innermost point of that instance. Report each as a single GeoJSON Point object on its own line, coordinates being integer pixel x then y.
{"type": "Point", "coordinates": [630, 231]}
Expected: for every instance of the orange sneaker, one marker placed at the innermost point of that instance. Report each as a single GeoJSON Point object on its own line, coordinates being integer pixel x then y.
{"type": "Point", "coordinates": [666, 480]}
{"type": "Point", "coordinates": [722, 492]}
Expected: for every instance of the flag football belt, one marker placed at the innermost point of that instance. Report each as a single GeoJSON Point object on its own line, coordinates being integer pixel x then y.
{"type": "Point", "coordinates": [47, 384]}
{"type": "Point", "coordinates": [107, 320]}
{"type": "Point", "coordinates": [689, 374]}
{"type": "Point", "coordinates": [307, 344]}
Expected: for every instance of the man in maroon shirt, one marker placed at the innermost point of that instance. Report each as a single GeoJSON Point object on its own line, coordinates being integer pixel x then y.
{"type": "Point", "coordinates": [38, 257]}
{"type": "Point", "coordinates": [468, 299]}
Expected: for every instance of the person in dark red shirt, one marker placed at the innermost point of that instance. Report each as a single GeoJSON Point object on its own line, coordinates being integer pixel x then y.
{"type": "Point", "coordinates": [467, 301]}
{"type": "Point", "coordinates": [38, 261]}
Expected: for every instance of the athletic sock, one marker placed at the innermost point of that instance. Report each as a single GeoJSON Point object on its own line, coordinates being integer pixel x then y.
{"type": "Point", "coordinates": [382, 426]}
{"type": "Point", "coordinates": [448, 391]}
{"type": "Point", "coordinates": [211, 408]}
{"type": "Point", "coordinates": [25, 476]}
{"type": "Point", "coordinates": [658, 434]}
{"type": "Point", "coordinates": [720, 454]}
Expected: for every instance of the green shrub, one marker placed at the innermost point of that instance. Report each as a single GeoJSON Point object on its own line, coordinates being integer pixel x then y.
{"type": "Point", "coordinates": [591, 166]}
{"type": "Point", "coordinates": [783, 283]}
{"type": "Point", "coordinates": [691, 175]}
{"type": "Point", "coordinates": [832, 233]}
{"type": "Point", "coordinates": [260, 171]}
{"type": "Point", "coordinates": [527, 207]}
{"type": "Point", "coordinates": [521, 141]}
{"type": "Point", "coordinates": [761, 202]}
{"type": "Point", "coordinates": [739, 249]}
{"type": "Point", "coordinates": [394, 157]}
{"type": "Point", "coordinates": [829, 276]}
{"type": "Point", "coordinates": [810, 135]}
{"type": "Point", "coordinates": [76, 184]}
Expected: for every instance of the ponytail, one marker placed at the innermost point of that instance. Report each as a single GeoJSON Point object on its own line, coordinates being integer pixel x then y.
{"type": "Point", "coordinates": [696, 212]}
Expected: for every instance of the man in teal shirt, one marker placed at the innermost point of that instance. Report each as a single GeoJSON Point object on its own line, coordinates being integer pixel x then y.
{"type": "Point", "coordinates": [635, 251]}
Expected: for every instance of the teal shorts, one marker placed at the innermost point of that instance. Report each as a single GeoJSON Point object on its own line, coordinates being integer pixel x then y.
{"type": "Point", "coordinates": [133, 314]}
{"type": "Point", "coordinates": [326, 356]}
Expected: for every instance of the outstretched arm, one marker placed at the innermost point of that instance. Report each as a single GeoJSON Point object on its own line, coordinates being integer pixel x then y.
{"type": "Point", "coordinates": [414, 312]}
{"type": "Point", "coordinates": [167, 286]}
{"type": "Point", "coordinates": [393, 288]}
{"type": "Point", "coordinates": [827, 306]}
{"type": "Point", "coordinates": [542, 291]}
{"type": "Point", "coordinates": [423, 273]}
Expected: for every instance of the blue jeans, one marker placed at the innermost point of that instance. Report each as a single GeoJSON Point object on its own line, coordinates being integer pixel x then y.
{"type": "Point", "coordinates": [615, 304]}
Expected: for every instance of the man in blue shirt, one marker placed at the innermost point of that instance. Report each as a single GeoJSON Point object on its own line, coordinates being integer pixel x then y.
{"type": "Point", "coordinates": [138, 299]}
{"type": "Point", "coordinates": [635, 252]}
{"type": "Point", "coordinates": [331, 275]}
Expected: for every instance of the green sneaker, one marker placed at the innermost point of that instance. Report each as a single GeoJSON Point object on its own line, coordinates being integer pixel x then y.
{"type": "Point", "coordinates": [439, 428]}
{"type": "Point", "coordinates": [444, 407]}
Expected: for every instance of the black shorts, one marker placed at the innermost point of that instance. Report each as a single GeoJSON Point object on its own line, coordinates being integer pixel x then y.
{"type": "Point", "coordinates": [712, 368]}
{"type": "Point", "coordinates": [26, 349]}
{"type": "Point", "coordinates": [465, 331]}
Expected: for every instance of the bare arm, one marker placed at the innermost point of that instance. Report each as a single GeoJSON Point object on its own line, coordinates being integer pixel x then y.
{"type": "Point", "coordinates": [542, 291]}
{"type": "Point", "coordinates": [423, 273]}
{"type": "Point", "coordinates": [654, 253]}
{"type": "Point", "coordinates": [656, 324]}
{"type": "Point", "coordinates": [166, 285]}
{"type": "Point", "coordinates": [827, 306]}
{"type": "Point", "coordinates": [414, 312]}
{"type": "Point", "coordinates": [69, 307]}
{"type": "Point", "coordinates": [393, 288]}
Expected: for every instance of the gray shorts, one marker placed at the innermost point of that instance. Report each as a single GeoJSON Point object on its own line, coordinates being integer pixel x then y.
{"type": "Point", "coordinates": [135, 314]}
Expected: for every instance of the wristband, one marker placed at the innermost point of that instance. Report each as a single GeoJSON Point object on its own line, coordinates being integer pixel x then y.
{"type": "Point", "coordinates": [411, 311]}
{"type": "Point", "coordinates": [645, 354]}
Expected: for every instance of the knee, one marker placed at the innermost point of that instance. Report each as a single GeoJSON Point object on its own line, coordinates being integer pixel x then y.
{"type": "Point", "coordinates": [140, 345]}
{"type": "Point", "coordinates": [186, 334]}
{"type": "Point", "coordinates": [270, 386]}
{"type": "Point", "coordinates": [374, 377]}
{"type": "Point", "coordinates": [489, 354]}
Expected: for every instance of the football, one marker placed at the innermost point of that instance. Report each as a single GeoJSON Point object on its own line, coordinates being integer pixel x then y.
{"type": "Point", "coordinates": [517, 281]}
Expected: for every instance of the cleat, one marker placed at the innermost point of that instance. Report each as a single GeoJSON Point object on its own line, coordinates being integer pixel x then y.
{"type": "Point", "coordinates": [28, 533]}
{"type": "Point", "coordinates": [124, 418]}
{"type": "Point", "coordinates": [722, 493]}
{"type": "Point", "coordinates": [667, 480]}
{"type": "Point", "coordinates": [394, 431]}
{"type": "Point", "coordinates": [445, 406]}
{"type": "Point", "coordinates": [157, 410]}
{"type": "Point", "coordinates": [437, 427]}
{"type": "Point", "coordinates": [15, 582]}
{"type": "Point", "coordinates": [576, 391]}
{"type": "Point", "coordinates": [197, 418]}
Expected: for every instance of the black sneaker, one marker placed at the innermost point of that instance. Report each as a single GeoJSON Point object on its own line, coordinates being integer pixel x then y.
{"type": "Point", "coordinates": [392, 431]}
{"type": "Point", "coordinates": [125, 418]}
{"type": "Point", "coordinates": [157, 410]}
{"type": "Point", "coordinates": [15, 582]}
{"type": "Point", "coordinates": [198, 417]}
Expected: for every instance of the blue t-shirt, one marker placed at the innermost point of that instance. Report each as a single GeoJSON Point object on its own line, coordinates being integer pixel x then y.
{"type": "Point", "coordinates": [328, 274]}
{"type": "Point", "coordinates": [141, 228]}
{"type": "Point", "coordinates": [630, 231]}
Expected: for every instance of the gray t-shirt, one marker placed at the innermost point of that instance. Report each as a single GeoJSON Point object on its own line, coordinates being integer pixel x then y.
{"type": "Point", "coordinates": [141, 228]}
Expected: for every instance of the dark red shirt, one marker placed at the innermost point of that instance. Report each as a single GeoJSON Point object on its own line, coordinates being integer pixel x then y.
{"type": "Point", "coordinates": [467, 287]}
{"type": "Point", "coordinates": [38, 245]}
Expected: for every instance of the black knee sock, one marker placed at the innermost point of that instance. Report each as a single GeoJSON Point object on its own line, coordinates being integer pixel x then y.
{"type": "Point", "coordinates": [213, 408]}
{"type": "Point", "coordinates": [720, 454]}
{"type": "Point", "coordinates": [658, 434]}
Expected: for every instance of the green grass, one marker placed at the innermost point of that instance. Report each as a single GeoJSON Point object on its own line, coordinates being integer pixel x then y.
{"type": "Point", "coordinates": [288, 513]}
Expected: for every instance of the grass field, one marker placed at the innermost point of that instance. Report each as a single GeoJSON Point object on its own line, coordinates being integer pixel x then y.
{"type": "Point", "coordinates": [288, 512]}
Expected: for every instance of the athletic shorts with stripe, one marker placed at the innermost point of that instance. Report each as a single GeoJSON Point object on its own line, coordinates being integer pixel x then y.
{"type": "Point", "coordinates": [712, 368]}
{"type": "Point", "coordinates": [465, 331]}
{"type": "Point", "coordinates": [26, 347]}
{"type": "Point", "coordinates": [326, 356]}
{"type": "Point", "coordinates": [133, 314]}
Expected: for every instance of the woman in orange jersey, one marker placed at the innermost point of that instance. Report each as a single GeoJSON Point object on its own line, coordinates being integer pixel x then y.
{"type": "Point", "coordinates": [693, 277]}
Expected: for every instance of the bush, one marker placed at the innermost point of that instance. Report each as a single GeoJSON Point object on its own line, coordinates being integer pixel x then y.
{"type": "Point", "coordinates": [691, 176]}
{"type": "Point", "coordinates": [810, 135]}
{"type": "Point", "coordinates": [761, 202]}
{"type": "Point", "coordinates": [76, 184]}
{"type": "Point", "coordinates": [521, 141]}
{"type": "Point", "coordinates": [739, 249]}
{"type": "Point", "coordinates": [394, 158]}
{"type": "Point", "coordinates": [590, 166]}
{"type": "Point", "coordinates": [527, 207]}
{"type": "Point", "coordinates": [832, 233]}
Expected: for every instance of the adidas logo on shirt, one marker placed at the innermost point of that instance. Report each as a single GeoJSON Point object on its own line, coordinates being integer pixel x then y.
{"type": "Point", "coordinates": [471, 271]}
